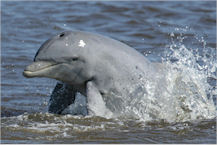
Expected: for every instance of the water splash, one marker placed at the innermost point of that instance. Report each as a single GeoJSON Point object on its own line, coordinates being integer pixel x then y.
{"type": "Point", "coordinates": [189, 94]}
{"type": "Point", "coordinates": [185, 89]}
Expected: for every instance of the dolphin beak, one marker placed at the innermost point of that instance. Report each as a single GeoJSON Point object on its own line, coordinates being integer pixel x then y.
{"type": "Point", "coordinates": [37, 69]}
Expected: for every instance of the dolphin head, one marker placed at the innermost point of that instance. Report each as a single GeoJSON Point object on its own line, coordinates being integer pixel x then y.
{"type": "Point", "coordinates": [60, 58]}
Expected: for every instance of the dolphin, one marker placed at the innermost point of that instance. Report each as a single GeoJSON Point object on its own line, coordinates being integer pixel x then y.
{"type": "Point", "coordinates": [108, 72]}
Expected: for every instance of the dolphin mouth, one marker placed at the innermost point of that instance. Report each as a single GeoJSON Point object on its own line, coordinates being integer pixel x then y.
{"type": "Point", "coordinates": [37, 69]}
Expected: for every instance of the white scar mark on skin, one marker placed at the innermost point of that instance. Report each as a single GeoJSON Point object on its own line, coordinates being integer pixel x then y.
{"type": "Point", "coordinates": [81, 43]}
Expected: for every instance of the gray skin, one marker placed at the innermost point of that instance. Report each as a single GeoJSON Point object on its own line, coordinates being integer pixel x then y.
{"type": "Point", "coordinates": [102, 67]}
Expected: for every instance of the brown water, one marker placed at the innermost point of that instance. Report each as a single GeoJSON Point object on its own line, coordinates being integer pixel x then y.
{"type": "Point", "coordinates": [183, 34]}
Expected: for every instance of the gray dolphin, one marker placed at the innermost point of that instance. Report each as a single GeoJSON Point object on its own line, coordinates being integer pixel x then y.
{"type": "Point", "coordinates": [93, 65]}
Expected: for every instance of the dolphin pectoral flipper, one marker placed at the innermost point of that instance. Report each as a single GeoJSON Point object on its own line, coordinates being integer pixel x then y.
{"type": "Point", "coordinates": [62, 96]}
{"type": "Point", "coordinates": [95, 103]}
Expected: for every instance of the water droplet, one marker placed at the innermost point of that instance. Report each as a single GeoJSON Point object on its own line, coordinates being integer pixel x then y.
{"type": "Point", "coordinates": [172, 34]}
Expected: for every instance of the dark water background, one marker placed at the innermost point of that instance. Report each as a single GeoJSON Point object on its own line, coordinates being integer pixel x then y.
{"type": "Point", "coordinates": [149, 27]}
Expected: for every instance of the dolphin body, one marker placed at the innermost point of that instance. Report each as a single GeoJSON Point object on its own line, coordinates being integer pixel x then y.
{"type": "Point", "coordinates": [109, 73]}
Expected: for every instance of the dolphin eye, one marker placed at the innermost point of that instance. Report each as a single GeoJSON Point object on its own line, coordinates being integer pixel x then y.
{"type": "Point", "coordinates": [70, 59]}
{"type": "Point", "coordinates": [75, 59]}
{"type": "Point", "coordinates": [61, 35]}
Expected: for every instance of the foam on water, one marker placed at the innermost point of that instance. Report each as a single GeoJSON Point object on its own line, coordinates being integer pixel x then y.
{"type": "Point", "coordinates": [51, 126]}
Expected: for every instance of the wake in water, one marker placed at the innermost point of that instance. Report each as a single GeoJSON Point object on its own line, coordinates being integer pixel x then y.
{"type": "Point", "coordinates": [50, 128]}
